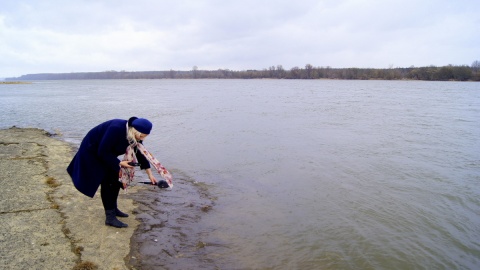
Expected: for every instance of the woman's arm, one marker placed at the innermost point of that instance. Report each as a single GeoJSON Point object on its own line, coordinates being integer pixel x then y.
{"type": "Point", "coordinates": [150, 176]}
{"type": "Point", "coordinates": [144, 163]}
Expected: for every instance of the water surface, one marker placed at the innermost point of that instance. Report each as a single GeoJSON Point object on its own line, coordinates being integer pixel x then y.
{"type": "Point", "coordinates": [287, 174]}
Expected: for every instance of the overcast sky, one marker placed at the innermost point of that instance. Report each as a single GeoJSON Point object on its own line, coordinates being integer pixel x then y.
{"type": "Point", "coordinates": [45, 36]}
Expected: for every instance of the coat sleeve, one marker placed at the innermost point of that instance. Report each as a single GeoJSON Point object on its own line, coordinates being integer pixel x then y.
{"type": "Point", "coordinates": [107, 146]}
{"type": "Point", "coordinates": [144, 163]}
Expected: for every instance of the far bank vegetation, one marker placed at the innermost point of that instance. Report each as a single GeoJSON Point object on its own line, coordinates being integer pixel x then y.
{"type": "Point", "coordinates": [13, 82]}
{"type": "Point", "coordinates": [430, 73]}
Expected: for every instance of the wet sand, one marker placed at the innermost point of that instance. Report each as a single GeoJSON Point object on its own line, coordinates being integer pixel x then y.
{"type": "Point", "coordinates": [45, 223]}
{"type": "Point", "coordinates": [171, 234]}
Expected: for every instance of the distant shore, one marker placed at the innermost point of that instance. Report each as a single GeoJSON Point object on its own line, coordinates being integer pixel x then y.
{"type": "Point", "coordinates": [309, 72]}
{"type": "Point", "coordinates": [14, 82]}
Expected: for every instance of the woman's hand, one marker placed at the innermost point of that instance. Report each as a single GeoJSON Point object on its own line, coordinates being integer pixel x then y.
{"type": "Point", "coordinates": [153, 180]}
{"type": "Point", "coordinates": [125, 164]}
{"type": "Point", "coordinates": [150, 176]}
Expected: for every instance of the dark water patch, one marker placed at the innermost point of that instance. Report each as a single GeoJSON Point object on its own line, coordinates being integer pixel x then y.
{"type": "Point", "coordinates": [171, 234]}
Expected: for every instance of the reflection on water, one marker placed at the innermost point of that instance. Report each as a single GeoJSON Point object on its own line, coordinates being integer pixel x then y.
{"type": "Point", "coordinates": [277, 174]}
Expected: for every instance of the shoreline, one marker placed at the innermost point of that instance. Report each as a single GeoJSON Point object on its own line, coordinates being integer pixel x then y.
{"type": "Point", "coordinates": [45, 223]}
{"type": "Point", "coordinates": [14, 82]}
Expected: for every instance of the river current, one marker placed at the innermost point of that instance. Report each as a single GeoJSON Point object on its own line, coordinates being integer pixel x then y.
{"type": "Point", "coordinates": [288, 174]}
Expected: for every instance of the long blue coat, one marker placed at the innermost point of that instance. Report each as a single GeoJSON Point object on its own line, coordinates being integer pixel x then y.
{"type": "Point", "coordinates": [97, 157]}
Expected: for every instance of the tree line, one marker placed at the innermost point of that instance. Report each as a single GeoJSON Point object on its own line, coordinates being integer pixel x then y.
{"type": "Point", "coordinates": [430, 73]}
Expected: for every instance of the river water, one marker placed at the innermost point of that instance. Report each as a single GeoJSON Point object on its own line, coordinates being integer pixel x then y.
{"type": "Point", "coordinates": [289, 174]}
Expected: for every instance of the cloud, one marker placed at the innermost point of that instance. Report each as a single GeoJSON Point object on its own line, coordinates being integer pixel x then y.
{"type": "Point", "coordinates": [65, 36]}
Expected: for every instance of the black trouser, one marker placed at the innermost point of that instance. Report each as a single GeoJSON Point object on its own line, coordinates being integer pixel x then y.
{"type": "Point", "coordinates": [110, 187]}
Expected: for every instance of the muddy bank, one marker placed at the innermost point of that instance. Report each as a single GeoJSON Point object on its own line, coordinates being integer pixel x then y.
{"type": "Point", "coordinates": [171, 234]}
{"type": "Point", "coordinates": [45, 223]}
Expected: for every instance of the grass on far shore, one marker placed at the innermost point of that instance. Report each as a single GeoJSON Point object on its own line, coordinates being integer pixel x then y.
{"type": "Point", "coordinates": [4, 82]}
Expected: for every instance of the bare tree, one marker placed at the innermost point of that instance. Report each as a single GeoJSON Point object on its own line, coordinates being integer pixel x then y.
{"type": "Point", "coordinates": [476, 66]}
{"type": "Point", "coordinates": [195, 72]}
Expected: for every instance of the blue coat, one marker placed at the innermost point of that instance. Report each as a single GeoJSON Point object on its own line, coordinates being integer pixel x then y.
{"type": "Point", "coordinates": [97, 157]}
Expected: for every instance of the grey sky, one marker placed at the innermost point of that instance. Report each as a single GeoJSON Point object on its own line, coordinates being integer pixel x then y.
{"type": "Point", "coordinates": [40, 36]}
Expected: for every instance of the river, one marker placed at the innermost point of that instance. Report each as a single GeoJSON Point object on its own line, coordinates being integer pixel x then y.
{"type": "Point", "coordinates": [288, 174]}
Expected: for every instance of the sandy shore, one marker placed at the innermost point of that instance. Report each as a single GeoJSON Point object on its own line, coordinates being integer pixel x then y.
{"type": "Point", "coordinates": [45, 223]}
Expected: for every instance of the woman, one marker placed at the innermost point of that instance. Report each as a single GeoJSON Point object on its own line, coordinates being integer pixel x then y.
{"type": "Point", "coordinates": [96, 162]}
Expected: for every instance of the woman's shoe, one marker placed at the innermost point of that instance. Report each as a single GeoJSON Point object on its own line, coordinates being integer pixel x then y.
{"type": "Point", "coordinates": [111, 220]}
{"type": "Point", "coordinates": [119, 213]}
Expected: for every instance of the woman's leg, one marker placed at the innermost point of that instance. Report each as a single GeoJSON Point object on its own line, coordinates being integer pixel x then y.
{"type": "Point", "coordinates": [110, 188]}
{"type": "Point", "coordinates": [109, 193]}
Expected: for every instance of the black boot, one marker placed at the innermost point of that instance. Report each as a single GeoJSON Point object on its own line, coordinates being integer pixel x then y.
{"type": "Point", "coordinates": [112, 220]}
{"type": "Point", "coordinates": [119, 213]}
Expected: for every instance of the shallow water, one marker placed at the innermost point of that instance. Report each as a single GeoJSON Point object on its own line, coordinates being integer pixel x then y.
{"type": "Point", "coordinates": [286, 174]}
